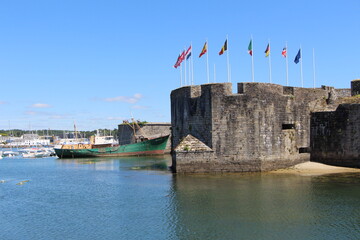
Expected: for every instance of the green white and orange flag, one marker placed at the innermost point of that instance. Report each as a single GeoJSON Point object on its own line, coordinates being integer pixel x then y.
{"type": "Point", "coordinates": [224, 48]}
{"type": "Point", "coordinates": [250, 49]}
{"type": "Point", "coordinates": [267, 51]}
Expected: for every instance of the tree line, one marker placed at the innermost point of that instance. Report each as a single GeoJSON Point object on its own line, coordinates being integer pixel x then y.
{"type": "Point", "coordinates": [58, 133]}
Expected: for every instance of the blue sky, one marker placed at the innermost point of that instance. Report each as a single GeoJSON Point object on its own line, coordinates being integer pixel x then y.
{"type": "Point", "coordinates": [99, 62]}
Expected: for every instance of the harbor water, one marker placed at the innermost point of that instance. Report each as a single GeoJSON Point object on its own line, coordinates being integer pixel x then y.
{"type": "Point", "coordinates": [139, 198]}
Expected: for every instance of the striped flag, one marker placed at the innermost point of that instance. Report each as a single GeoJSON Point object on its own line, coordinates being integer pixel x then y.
{"type": "Point", "coordinates": [188, 53]}
{"type": "Point", "coordinates": [250, 49]}
{"type": "Point", "coordinates": [204, 50]}
{"type": "Point", "coordinates": [267, 51]}
{"type": "Point", "coordinates": [284, 52]}
{"type": "Point", "coordinates": [224, 48]}
{"type": "Point", "coordinates": [176, 65]}
{"type": "Point", "coordinates": [180, 59]}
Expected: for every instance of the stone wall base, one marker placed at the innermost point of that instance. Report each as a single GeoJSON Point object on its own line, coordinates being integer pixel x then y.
{"type": "Point", "coordinates": [208, 162]}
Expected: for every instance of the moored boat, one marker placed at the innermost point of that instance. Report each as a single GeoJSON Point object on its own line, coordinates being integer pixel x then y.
{"type": "Point", "coordinates": [153, 146]}
{"type": "Point", "coordinates": [37, 152]}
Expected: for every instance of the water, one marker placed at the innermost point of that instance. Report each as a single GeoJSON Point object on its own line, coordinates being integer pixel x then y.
{"type": "Point", "coordinates": [138, 198]}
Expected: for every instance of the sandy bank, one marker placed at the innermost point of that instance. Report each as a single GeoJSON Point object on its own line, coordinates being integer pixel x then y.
{"type": "Point", "coordinates": [313, 169]}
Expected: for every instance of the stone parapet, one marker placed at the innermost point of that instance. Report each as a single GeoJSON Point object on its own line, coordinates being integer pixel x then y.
{"type": "Point", "coordinates": [355, 87]}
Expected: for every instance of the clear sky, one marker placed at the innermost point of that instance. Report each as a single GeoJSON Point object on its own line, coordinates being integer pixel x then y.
{"type": "Point", "coordinates": [100, 62]}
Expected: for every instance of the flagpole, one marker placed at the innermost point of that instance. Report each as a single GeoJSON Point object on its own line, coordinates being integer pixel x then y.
{"type": "Point", "coordinates": [181, 80]}
{"type": "Point", "coordinates": [314, 67]}
{"type": "Point", "coordinates": [207, 61]}
{"type": "Point", "coordinates": [252, 59]}
{"type": "Point", "coordinates": [189, 81]}
{"type": "Point", "coordinates": [185, 67]}
{"type": "Point", "coordinates": [301, 69]}
{"type": "Point", "coordinates": [287, 66]}
{"type": "Point", "coordinates": [227, 58]}
{"type": "Point", "coordinates": [230, 72]}
{"type": "Point", "coordinates": [270, 62]}
{"type": "Point", "coordinates": [192, 68]}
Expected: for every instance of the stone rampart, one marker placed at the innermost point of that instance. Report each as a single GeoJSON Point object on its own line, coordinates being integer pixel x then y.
{"type": "Point", "coordinates": [335, 136]}
{"type": "Point", "coordinates": [261, 127]}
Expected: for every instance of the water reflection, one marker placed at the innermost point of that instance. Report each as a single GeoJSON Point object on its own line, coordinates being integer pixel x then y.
{"type": "Point", "coordinates": [139, 198]}
{"type": "Point", "coordinates": [160, 163]}
{"type": "Point", "coordinates": [264, 206]}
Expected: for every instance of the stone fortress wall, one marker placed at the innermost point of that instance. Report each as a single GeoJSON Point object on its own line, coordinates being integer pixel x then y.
{"type": "Point", "coordinates": [261, 127]}
{"type": "Point", "coordinates": [335, 135]}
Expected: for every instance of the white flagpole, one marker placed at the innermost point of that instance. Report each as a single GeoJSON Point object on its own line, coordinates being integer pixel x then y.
{"type": "Point", "coordinates": [181, 80]}
{"type": "Point", "coordinates": [314, 67]}
{"type": "Point", "coordinates": [185, 67]}
{"type": "Point", "coordinates": [227, 58]}
{"type": "Point", "coordinates": [230, 71]}
{"type": "Point", "coordinates": [189, 72]}
{"type": "Point", "coordinates": [192, 67]}
{"type": "Point", "coordinates": [287, 65]}
{"type": "Point", "coordinates": [214, 73]}
{"type": "Point", "coordinates": [301, 69]}
{"type": "Point", "coordinates": [252, 59]}
{"type": "Point", "coordinates": [207, 61]}
{"type": "Point", "coordinates": [270, 62]}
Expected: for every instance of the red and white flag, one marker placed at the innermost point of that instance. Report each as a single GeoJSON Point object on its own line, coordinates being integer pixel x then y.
{"type": "Point", "coordinates": [188, 53]}
{"type": "Point", "coordinates": [180, 59]}
{"type": "Point", "coordinates": [284, 52]}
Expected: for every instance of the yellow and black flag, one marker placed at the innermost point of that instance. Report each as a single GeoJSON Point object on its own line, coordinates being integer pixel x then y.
{"type": "Point", "coordinates": [224, 48]}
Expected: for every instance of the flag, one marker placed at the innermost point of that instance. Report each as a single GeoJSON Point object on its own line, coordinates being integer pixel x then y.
{"type": "Point", "coordinates": [284, 52]}
{"type": "Point", "coordinates": [267, 51]}
{"type": "Point", "coordinates": [188, 53]}
{"type": "Point", "coordinates": [188, 56]}
{"type": "Point", "coordinates": [182, 56]}
{"type": "Point", "coordinates": [250, 50]}
{"type": "Point", "coordinates": [298, 56]}
{"type": "Point", "coordinates": [180, 59]}
{"type": "Point", "coordinates": [176, 65]}
{"type": "Point", "coordinates": [204, 50]}
{"type": "Point", "coordinates": [224, 48]}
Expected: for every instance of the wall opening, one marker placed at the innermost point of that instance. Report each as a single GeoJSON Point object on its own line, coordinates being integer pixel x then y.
{"type": "Point", "coordinates": [288, 126]}
{"type": "Point", "coordinates": [304, 150]}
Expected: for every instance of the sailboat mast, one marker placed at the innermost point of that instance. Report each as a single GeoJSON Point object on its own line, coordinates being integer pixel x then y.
{"type": "Point", "coordinates": [75, 131]}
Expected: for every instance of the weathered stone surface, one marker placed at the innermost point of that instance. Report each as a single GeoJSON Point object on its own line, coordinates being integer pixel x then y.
{"type": "Point", "coordinates": [355, 87]}
{"type": "Point", "coordinates": [191, 144]}
{"type": "Point", "coordinates": [335, 136]}
{"type": "Point", "coordinates": [261, 127]}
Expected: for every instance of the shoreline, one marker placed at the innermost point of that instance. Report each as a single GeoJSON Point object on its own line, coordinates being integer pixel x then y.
{"type": "Point", "coordinates": [314, 169]}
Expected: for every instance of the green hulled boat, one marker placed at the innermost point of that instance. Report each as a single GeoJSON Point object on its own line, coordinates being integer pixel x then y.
{"type": "Point", "coordinates": [154, 146]}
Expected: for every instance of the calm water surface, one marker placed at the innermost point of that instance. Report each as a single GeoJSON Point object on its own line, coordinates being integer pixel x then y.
{"type": "Point", "coordinates": [138, 198]}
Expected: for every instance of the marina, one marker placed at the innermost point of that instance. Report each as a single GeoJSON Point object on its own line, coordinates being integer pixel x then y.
{"type": "Point", "coordinates": [139, 198]}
